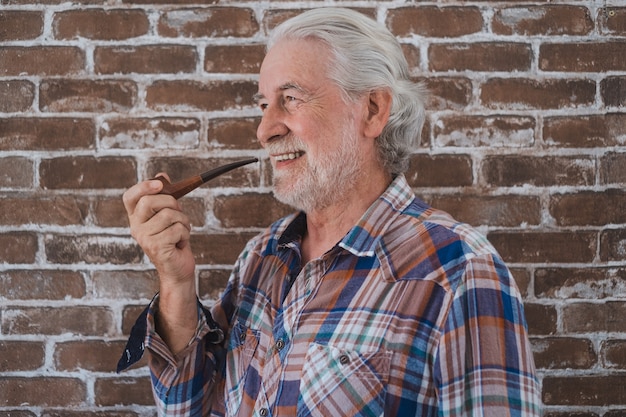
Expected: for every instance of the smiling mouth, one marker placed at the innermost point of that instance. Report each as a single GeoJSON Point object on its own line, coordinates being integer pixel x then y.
{"type": "Point", "coordinates": [288, 156]}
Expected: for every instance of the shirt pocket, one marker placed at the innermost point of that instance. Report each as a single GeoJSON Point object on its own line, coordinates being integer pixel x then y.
{"type": "Point", "coordinates": [242, 345]}
{"type": "Point", "coordinates": [337, 382]}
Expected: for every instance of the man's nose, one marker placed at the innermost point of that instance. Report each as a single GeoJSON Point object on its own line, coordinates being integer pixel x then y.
{"type": "Point", "coordinates": [272, 125]}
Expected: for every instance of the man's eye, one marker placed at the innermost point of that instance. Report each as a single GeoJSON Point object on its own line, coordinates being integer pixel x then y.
{"type": "Point", "coordinates": [262, 106]}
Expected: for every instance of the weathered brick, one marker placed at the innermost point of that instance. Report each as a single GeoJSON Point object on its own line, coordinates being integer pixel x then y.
{"type": "Point", "coordinates": [234, 210]}
{"type": "Point", "coordinates": [412, 55]}
{"type": "Point", "coordinates": [211, 283]}
{"type": "Point", "coordinates": [589, 208]}
{"type": "Point", "coordinates": [16, 95]}
{"type": "Point", "coordinates": [440, 171]}
{"type": "Point", "coordinates": [125, 284]}
{"type": "Point", "coordinates": [478, 210]}
{"type": "Point", "coordinates": [16, 172]}
{"type": "Point", "coordinates": [614, 353]}
{"type": "Point", "coordinates": [68, 412]}
{"type": "Point", "coordinates": [586, 131]}
{"type": "Point", "coordinates": [523, 280]}
{"type": "Point", "coordinates": [109, 212]}
{"type": "Point", "coordinates": [437, 22]}
{"type": "Point", "coordinates": [480, 56]}
{"type": "Point", "coordinates": [192, 95]}
{"type": "Point", "coordinates": [85, 172]}
{"type": "Point", "coordinates": [22, 133]}
{"type": "Point", "coordinates": [21, 356]}
{"type": "Point", "coordinates": [544, 246]}
{"type": "Point", "coordinates": [612, 20]}
{"type": "Point", "coordinates": [20, 25]}
{"type": "Point", "coordinates": [41, 60]}
{"type": "Point", "coordinates": [274, 17]}
{"type": "Point", "coordinates": [584, 390]}
{"type": "Point", "coordinates": [90, 355]}
{"type": "Point", "coordinates": [593, 317]}
{"type": "Point", "coordinates": [613, 168]}
{"type": "Point", "coordinates": [523, 93]}
{"type": "Point", "coordinates": [100, 24]}
{"type": "Point", "coordinates": [572, 414]}
{"type": "Point", "coordinates": [42, 392]}
{"type": "Point", "coordinates": [541, 171]}
{"type": "Point", "coordinates": [543, 20]}
{"type": "Point", "coordinates": [244, 59]}
{"type": "Point", "coordinates": [150, 133]}
{"type": "Point", "coordinates": [145, 59]}
{"type": "Point", "coordinates": [613, 90]}
{"type": "Point", "coordinates": [59, 210]}
{"type": "Point", "coordinates": [218, 249]}
{"type": "Point", "coordinates": [541, 319]}
{"type": "Point", "coordinates": [231, 133]}
{"type": "Point", "coordinates": [494, 131]}
{"type": "Point", "coordinates": [212, 22]}
{"type": "Point", "coordinates": [80, 320]}
{"type": "Point", "coordinates": [129, 317]}
{"type": "Point", "coordinates": [123, 391]}
{"type": "Point", "coordinates": [41, 285]}
{"type": "Point", "coordinates": [448, 93]}
{"type": "Point", "coordinates": [18, 247]}
{"type": "Point", "coordinates": [91, 249]}
{"type": "Point", "coordinates": [583, 57]}
{"type": "Point", "coordinates": [583, 283]}
{"type": "Point", "coordinates": [100, 96]}
{"type": "Point", "coordinates": [613, 245]}
{"type": "Point", "coordinates": [179, 168]}
{"type": "Point", "coordinates": [563, 353]}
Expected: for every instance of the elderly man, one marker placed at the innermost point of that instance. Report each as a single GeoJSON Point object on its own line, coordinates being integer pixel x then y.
{"type": "Point", "coordinates": [366, 301]}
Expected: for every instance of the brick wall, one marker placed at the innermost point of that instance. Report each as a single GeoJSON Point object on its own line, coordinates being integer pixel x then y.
{"type": "Point", "coordinates": [526, 139]}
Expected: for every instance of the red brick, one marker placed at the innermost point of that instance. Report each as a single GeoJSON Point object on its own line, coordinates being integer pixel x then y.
{"type": "Point", "coordinates": [100, 24]}
{"type": "Point", "coordinates": [564, 353]}
{"type": "Point", "coordinates": [150, 133]}
{"type": "Point", "coordinates": [234, 210]}
{"type": "Point", "coordinates": [613, 168]}
{"type": "Point", "coordinates": [80, 320]}
{"type": "Point", "coordinates": [437, 22]}
{"type": "Point", "coordinates": [495, 131]}
{"type": "Point", "coordinates": [119, 285]}
{"type": "Point", "coordinates": [579, 283]}
{"type": "Point", "coordinates": [412, 55]}
{"type": "Point", "coordinates": [245, 59]}
{"type": "Point", "coordinates": [522, 93]}
{"type": "Point", "coordinates": [18, 247]}
{"type": "Point", "coordinates": [593, 317]}
{"type": "Point", "coordinates": [42, 392]}
{"type": "Point", "coordinates": [507, 211]}
{"type": "Point", "coordinates": [448, 93]}
{"type": "Point", "coordinates": [82, 413]}
{"type": "Point", "coordinates": [544, 246]}
{"type": "Point", "coordinates": [572, 414]}
{"type": "Point", "coordinates": [87, 96]}
{"type": "Point", "coordinates": [586, 131]}
{"type": "Point", "coordinates": [16, 96]}
{"type": "Point", "coordinates": [613, 245]}
{"type": "Point", "coordinates": [231, 133]}
{"type": "Point", "coordinates": [41, 60]}
{"type": "Point", "coordinates": [206, 96]}
{"type": "Point", "coordinates": [109, 212]}
{"type": "Point", "coordinates": [543, 20]}
{"type": "Point", "coordinates": [59, 210]}
{"type": "Point", "coordinates": [440, 171]}
{"type": "Point", "coordinates": [90, 355]}
{"type": "Point", "coordinates": [129, 317]}
{"type": "Point", "coordinates": [145, 59]}
{"type": "Point", "coordinates": [593, 390]}
{"type": "Point", "coordinates": [16, 172]}
{"type": "Point", "coordinates": [20, 25]}
{"type": "Point", "coordinates": [123, 391]}
{"type": "Point", "coordinates": [541, 171]}
{"type": "Point", "coordinates": [211, 22]}
{"type": "Point", "coordinates": [586, 208]}
{"type": "Point", "coordinates": [42, 285]}
{"type": "Point", "coordinates": [211, 283]}
{"type": "Point", "coordinates": [583, 57]}
{"type": "Point", "coordinates": [21, 356]}
{"type": "Point", "coordinates": [614, 354]}
{"type": "Point", "coordinates": [541, 319]}
{"type": "Point", "coordinates": [33, 134]}
{"type": "Point", "coordinates": [274, 17]}
{"type": "Point", "coordinates": [612, 20]}
{"type": "Point", "coordinates": [91, 249]}
{"type": "Point", "coordinates": [613, 90]}
{"type": "Point", "coordinates": [522, 278]}
{"type": "Point", "coordinates": [480, 56]}
{"type": "Point", "coordinates": [218, 249]}
{"type": "Point", "coordinates": [85, 172]}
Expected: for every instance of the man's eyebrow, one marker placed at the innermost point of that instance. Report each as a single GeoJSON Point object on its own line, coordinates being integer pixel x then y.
{"type": "Point", "coordinates": [287, 86]}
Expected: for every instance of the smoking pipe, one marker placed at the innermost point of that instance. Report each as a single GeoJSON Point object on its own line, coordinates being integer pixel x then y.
{"type": "Point", "coordinates": [179, 189]}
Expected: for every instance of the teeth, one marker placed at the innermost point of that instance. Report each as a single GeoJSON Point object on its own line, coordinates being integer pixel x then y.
{"type": "Point", "coordinates": [288, 156]}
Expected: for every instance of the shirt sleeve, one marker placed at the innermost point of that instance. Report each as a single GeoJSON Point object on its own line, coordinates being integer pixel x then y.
{"type": "Point", "coordinates": [484, 364]}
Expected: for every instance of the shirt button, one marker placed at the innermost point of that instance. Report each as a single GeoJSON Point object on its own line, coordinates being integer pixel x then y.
{"type": "Point", "coordinates": [280, 344]}
{"type": "Point", "coordinates": [264, 412]}
{"type": "Point", "coordinates": [344, 359]}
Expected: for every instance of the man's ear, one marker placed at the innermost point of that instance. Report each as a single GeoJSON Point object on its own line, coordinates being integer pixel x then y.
{"type": "Point", "coordinates": [378, 109]}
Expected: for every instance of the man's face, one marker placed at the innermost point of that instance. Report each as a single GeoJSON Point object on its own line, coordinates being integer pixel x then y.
{"type": "Point", "coordinates": [310, 132]}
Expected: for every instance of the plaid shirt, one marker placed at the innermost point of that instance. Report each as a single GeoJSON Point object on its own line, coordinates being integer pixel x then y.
{"type": "Point", "coordinates": [411, 314]}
